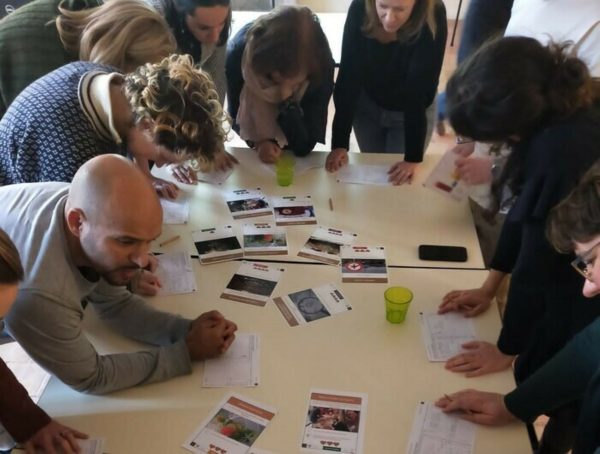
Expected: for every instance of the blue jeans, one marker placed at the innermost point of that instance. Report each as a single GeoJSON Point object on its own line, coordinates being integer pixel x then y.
{"type": "Point", "coordinates": [379, 130]}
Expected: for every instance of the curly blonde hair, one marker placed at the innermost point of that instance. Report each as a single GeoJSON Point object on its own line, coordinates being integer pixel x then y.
{"type": "Point", "coordinates": [183, 105]}
{"type": "Point", "coordinates": [11, 270]}
{"type": "Point", "coordinates": [120, 33]}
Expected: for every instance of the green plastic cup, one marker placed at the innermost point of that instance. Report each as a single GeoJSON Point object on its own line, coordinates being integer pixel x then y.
{"type": "Point", "coordinates": [284, 168]}
{"type": "Point", "coordinates": [397, 301]}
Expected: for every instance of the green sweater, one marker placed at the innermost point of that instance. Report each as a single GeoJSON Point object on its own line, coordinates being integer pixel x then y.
{"type": "Point", "coordinates": [30, 46]}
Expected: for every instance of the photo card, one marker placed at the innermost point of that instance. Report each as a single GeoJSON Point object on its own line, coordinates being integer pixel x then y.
{"type": "Point", "coordinates": [247, 203]}
{"type": "Point", "coordinates": [292, 210]}
{"type": "Point", "coordinates": [217, 244]}
{"type": "Point", "coordinates": [264, 238]}
{"type": "Point", "coordinates": [253, 283]}
{"type": "Point", "coordinates": [324, 245]}
{"type": "Point", "coordinates": [363, 264]}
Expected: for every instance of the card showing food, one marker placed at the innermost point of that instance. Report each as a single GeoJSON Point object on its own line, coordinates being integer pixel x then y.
{"type": "Point", "coordinates": [231, 428]}
{"type": "Point", "coordinates": [253, 283]}
{"type": "Point", "coordinates": [247, 203]}
{"type": "Point", "coordinates": [305, 306]}
{"type": "Point", "coordinates": [324, 245]}
{"type": "Point", "coordinates": [264, 238]}
{"type": "Point", "coordinates": [363, 264]}
{"type": "Point", "coordinates": [335, 421]}
{"type": "Point", "coordinates": [217, 244]}
{"type": "Point", "coordinates": [293, 210]}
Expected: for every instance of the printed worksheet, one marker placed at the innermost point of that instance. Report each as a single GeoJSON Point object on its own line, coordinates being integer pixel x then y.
{"type": "Point", "coordinates": [214, 177]}
{"type": "Point", "coordinates": [253, 283]}
{"type": "Point", "coordinates": [176, 274]}
{"type": "Point", "coordinates": [445, 179]}
{"type": "Point", "coordinates": [444, 334]}
{"type": "Point", "coordinates": [247, 203]}
{"type": "Point", "coordinates": [33, 378]}
{"type": "Point", "coordinates": [435, 432]}
{"type": "Point", "coordinates": [231, 428]}
{"type": "Point", "coordinates": [264, 238]}
{"type": "Point", "coordinates": [324, 245]}
{"type": "Point", "coordinates": [92, 445]}
{"type": "Point", "coordinates": [300, 308]}
{"type": "Point", "coordinates": [217, 244]}
{"type": "Point", "coordinates": [363, 264]}
{"type": "Point", "coordinates": [364, 174]}
{"type": "Point", "coordinates": [335, 421]}
{"type": "Point", "coordinates": [175, 211]}
{"type": "Point", "coordinates": [238, 366]}
{"type": "Point", "coordinates": [293, 210]}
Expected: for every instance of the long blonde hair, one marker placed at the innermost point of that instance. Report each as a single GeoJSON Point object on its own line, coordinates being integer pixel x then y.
{"type": "Point", "coordinates": [121, 33]}
{"type": "Point", "coordinates": [11, 270]}
{"type": "Point", "coordinates": [423, 13]}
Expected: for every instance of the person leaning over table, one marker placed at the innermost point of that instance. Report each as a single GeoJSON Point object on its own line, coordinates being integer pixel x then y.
{"type": "Point", "coordinates": [25, 422]}
{"type": "Point", "coordinates": [165, 112]}
{"type": "Point", "coordinates": [84, 242]}
{"type": "Point", "coordinates": [543, 103]}
{"type": "Point", "coordinates": [574, 371]}
{"type": "Point", "coordinates": [279, 81]}
{"type": "Point", "coordinates": [44, 35]}
{"type": "Point", "coordinates": [392, 54]}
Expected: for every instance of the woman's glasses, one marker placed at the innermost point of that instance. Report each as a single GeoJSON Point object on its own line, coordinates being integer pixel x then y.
{"type": "Point", "coordinates": [584, 263]}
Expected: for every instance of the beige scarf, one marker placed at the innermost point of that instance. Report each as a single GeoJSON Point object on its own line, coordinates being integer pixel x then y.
{"type": "Point", "coordinates": [259, 104]}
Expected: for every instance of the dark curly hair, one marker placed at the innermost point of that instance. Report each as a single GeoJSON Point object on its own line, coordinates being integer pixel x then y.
{"type": "Point", "coordinates": [11, 270]}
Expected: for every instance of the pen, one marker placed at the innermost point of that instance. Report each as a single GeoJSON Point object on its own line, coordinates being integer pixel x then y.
{"type": "Point", "coordinates": [330, 204]}
{"type": "Point", "coordinates": [170, 240]}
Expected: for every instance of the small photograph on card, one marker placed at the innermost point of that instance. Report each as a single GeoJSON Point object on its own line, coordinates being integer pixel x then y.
{"type": "Point", "coordinates": [264, 238]}
{"type": "Point", "coordinates": [247, 203]}
{"type": "Point", "coordinates": [363, 264]}
{"type": "Point", "coordinates": [305, 306]}
{"type": "Point", "coordinates": [293, 210]}
{"type": "Point", "coordinates": [324, 245]}
{"type": "Point", "coordinates": [253, 283]}
{"type": "Point", "coordinates": [217, 244]}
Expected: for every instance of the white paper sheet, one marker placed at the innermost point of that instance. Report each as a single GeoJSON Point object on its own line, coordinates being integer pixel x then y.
{"type": "Point", "coordinates": [33, 378]}
{"type": "Point", "coordinates": [444, 334]}
{"type": "Point", "coordinates": [92, 446]}
{"type": "Point", "coordinates": [176, 274]}
{"type": "Point", "coordinates": [434, 432]}
{"type": "Point", "coordinates": [216, 177]}
{"type": "Point", "coordinates": [364, 174]}
{"type": "Point", "coordinates": [175, 211]}
{"type": "Point", "coordinates": [445, 179]}
{"type": "Point", "coordinates": [239, 366]}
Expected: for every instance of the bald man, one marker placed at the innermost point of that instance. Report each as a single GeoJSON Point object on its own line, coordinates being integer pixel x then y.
{"type": "Point", "coordinates": [86, 241]}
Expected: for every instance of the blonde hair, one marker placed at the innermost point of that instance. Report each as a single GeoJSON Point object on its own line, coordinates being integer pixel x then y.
{"type": "Point", "coordinates": [423, 13]}
{"type": "Point", "coordinates": [182, 102]}
{"type": "Point", "coordinates": [120, 33]}
{"type": "Point", "coordinates": [11, 270]}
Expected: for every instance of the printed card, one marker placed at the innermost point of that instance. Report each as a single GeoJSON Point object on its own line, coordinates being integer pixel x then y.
{"type": "Point", "coordinates": [217, 244]}
{"type": "Point", "coordinates": [232, 428]}
{"type": "Point", "coordinates": [445, 179]}
{"type": "Point", "coordinates": [264, 239]}
{"type": "Point", "coordinates": [363, 264]}
{"type": "Point", "coordinates": [238, 366]}
{"type": "Point", "coordinates": [247, 203]}
{"type": "Point", "coordinates": [91, 445]}
{"type": "Point", "coordinates": [324, 245]}
{"type": "Point", "coordinates": [293, 210]}
{"type": "Point", "coordinates": [176, 274]}
{"type": "Point", "coordinates": [300, 308]}
{"type": "Point", "coordinates": [253, 283]}
{"type": "Point", "coordinates": [444, 334]}
{"type": "Point", "coordinates": [335, 421]}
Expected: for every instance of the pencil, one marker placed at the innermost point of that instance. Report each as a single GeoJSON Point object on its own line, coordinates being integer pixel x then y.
{"type": "Point", "coordinates": [169, 241]}
{"type": "Point", "coordinates": [330, 204]}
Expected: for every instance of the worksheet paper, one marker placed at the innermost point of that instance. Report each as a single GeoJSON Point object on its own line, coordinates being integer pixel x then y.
{"type": "Point", "coordinates": [176, 274]}
{"type": "Point", "coordinates": [444, 178]}
{"type": "Point", "coordinates": [33, 378]}
{"type": "Point", "coordinates": [305, 306]}
{"type": "Point", "coordinates": [435, 432]}
{"type": "Point", "coordinates": [364, 174]}
{"type": "Point", "coordinates": [324, 245]}
{"type": "Point", "coordinates": [253, 283]}
{"type": "Point", "coordinates": [217, 244]}
{"type": "Point", "coordinates": [92, 446]}
{"type": "Point", "coordinates": [363, 264]}
{"type": "Point", "coordinates": [264, 238]}
{"type": "Point", "coordinates": [238, 366]}
{"type": "Point", "coordinates": [292, 210]}
{"type": "Point", "coordinates": [214, 177]}
{"type": "Point", "coordinates": [335, 422]}
{"type": "Point", "coordinates": [247, 203]}
{"type": "Point", "coordinates": [444, 334]}
{"type": "Point", "coordinates": [231, 428]}
{"type": "Point", "coordinates": [175, 211]}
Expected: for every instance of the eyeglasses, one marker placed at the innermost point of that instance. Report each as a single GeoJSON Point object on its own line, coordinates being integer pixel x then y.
{"type": "Point", "coordinates": [584, 263]}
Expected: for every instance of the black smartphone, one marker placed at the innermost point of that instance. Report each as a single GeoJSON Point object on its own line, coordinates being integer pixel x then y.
{"type": "Point", "coordinates": [442, 253]}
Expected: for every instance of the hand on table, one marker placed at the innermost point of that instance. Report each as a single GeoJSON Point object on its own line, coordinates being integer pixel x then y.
{"type": "Point", "coordinates": [146, 283]}
{"type": "Point", "coordinates": [336, 159]}
{"type": "Point", "coordinates": [165, 189]}
{"type": "Point", "coordinates": [184, 173]}
{"type": "Point", "coordinates": [470, 302]}
{"type": "Point", "coordinates": [224, 161]}
{"type": "Point", "coordinates": [464, 149]}
{"type": "Point", "coordinates": [54, 438]}
{"type": "Point", "coordinates": [477, 406]}
{"type": "Point", "coordinates": [481, 358]}
{"type": "Point", "coordinates": [210, 335]}
{"type": "Point", "coordinates": [268, 151]}
{"type": "Point", "coordinates": [402, 172]}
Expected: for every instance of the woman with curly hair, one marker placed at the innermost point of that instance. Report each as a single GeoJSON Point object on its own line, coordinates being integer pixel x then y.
{"type": "Point", "coordinates": [47, 34]}
{"type": "Point", "coordinates": [164, 112]}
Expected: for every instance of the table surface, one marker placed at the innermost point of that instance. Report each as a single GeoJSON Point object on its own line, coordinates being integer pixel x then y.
{"type": "Point", "coordinates": [397, 217]}
{"type": "Point", "coordinates": [358, 351]}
